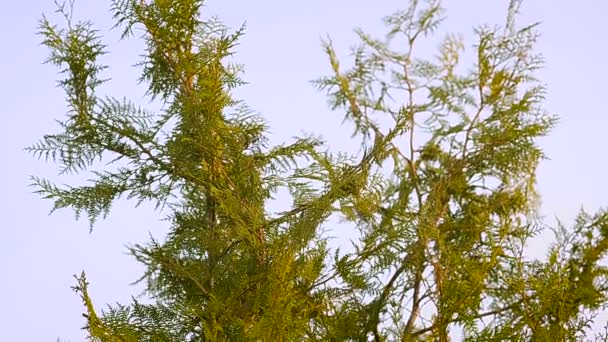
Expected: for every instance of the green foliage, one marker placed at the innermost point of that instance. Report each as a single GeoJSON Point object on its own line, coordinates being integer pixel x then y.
{"type": "Point", "coordinates": [444, 198]}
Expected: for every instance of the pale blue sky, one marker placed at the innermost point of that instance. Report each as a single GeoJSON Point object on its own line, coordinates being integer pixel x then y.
{"type": "Point", "coordinates": [281, 53]}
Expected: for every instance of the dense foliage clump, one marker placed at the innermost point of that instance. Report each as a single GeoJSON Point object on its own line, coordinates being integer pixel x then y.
{"type": "Point", "coordinates": [442, 196]}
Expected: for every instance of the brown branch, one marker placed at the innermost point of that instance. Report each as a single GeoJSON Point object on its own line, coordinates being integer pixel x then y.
{"type": "Point", "coordinates": [478, 316]}
{"type": "Point", "coordinates": [416, 296]}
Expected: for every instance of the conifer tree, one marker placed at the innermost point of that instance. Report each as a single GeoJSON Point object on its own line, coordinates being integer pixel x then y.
{"type": "Point", "coordinates": [443, 196]}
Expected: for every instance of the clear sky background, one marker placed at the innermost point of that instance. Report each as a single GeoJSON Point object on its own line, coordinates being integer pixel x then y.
{"type": "Point", "coordinates": [281, 52]}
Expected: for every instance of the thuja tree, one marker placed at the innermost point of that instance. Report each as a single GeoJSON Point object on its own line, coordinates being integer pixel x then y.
{"type": "Point", "coordinates": [442, 195]}
{"type": "Point", "coordinates": [226, 270]}
{"type": "Point", "coordinates": [443, 236]}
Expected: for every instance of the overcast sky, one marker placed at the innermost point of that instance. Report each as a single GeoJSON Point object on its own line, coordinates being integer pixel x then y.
{"type": "Point", "coordinates": [281, 53]}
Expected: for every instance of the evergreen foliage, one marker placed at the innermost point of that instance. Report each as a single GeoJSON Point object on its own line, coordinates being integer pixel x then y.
{"type": "Point", "coordinates": [443, 197]}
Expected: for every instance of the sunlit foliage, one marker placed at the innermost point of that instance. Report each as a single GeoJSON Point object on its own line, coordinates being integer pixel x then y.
{"type": "Point", "coordinates": [443, 195]}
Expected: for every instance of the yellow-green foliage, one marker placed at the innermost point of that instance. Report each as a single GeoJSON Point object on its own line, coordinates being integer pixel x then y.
{"type": "Point", "coordinates": [444, 198]}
